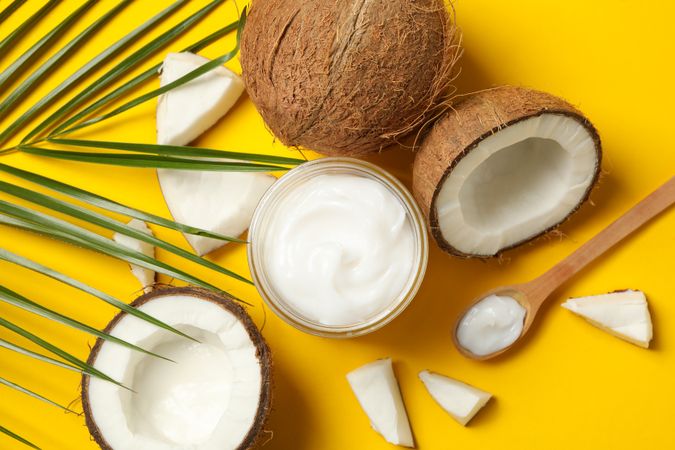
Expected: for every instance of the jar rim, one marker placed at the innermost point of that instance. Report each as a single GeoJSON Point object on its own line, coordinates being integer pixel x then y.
{"type": "Point", "coordinates": [286, 183]}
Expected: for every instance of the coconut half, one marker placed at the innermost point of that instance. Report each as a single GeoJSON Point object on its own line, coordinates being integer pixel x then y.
{"type": "Point", "coordinates": [624, 314]}
{"type": "Point", "coordinates": [215, 395]}
{"type": "Point", "coordinates": [505, 166]}
{"type": "Point", "coordinates": [145, 276]}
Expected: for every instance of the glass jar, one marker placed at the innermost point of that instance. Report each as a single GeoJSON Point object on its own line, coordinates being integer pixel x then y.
{"type": "Point", "coordinates": [259, 230]}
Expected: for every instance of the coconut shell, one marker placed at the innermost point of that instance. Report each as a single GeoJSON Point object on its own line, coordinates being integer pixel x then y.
{"type": "Point", "coordinates": [346, 77]}
{"type": "Point", "coordinates": [263, 353]}
{"type": "Point", "coordinates": [471, 120]}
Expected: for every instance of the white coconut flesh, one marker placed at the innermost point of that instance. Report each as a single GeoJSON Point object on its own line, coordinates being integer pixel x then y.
{"type": "Point", "coordinates": [142, 274]}
{"type": "Point", "coordinates": [624, 314]}
{"type": "Point", "coordinates": [458, 399]}
{"type": "Point", "coordinates": [516, 183]}
{"type": "Point", "coordinates": [184, 113]}
{"type": "Point", "coordinates": [377, 391]}
{"type": "Point", "coordinates": [207, 400]}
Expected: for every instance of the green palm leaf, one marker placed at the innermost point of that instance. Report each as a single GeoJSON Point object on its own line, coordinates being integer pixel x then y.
{"type": "Point", "coordinates": [10, 297]}
{"type": "Point", "coordinates": [111, 224]}
{"type": "Point", "coordinates": [54, 61]}
{"type": "Point", "coordinates": [33, 394]}
{"type": "Point", "coordinates": [152, 162]}
{"type": "Point", "coordinates": [9, 10]}
{"type": "Point", "coordinates": [127, 64]}
{"type": "Point", "coordinates": [22, 62]}
{"type": "Point", "coordinates": [151, 73]}
{"type": "Point", "coordinates": [51, 273]}
{"type": "Point", "coordinates": [196, 73]}
{"type": "Point", "coordinates": [15, 436]}
{"type": "Point", "coordinates": [25, 352]}
{"type": "Point", "coordinates": [110, 205]}
{"type": "Point", "coordinates": [75, 361]}
{"type": "Point", "coordinates": [28, 25]}
{"type": "Point", "coordinates": [176, 150]}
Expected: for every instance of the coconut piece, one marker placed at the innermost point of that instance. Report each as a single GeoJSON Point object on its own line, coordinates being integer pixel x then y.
{"type": "Point", "coordinates": [458, 399]}
{"type": "Point", "coordinates": [216, 394]}
{"type": "Point", "coordinates": [145, 276]}
{"type": "Point", "coordinates": [507, 165]}
{"type": "Point", "coordinates": [348, 77]}
{"type": "Point", "coordinates": [220, 202]}
{"type": "Point", "coordinates": [377, 391]}
{"type": "Point", "coordinates": [184, 113]}
{"type": "Point", "coordinates": [624, 314]}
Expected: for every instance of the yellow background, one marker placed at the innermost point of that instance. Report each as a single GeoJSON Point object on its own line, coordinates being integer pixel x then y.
{"type": "Point", "coordinates": [570, 386]}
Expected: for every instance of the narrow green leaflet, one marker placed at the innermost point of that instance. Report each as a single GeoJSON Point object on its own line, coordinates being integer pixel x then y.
{"type": "Point", "coordinates": [15, 436]}
{"type": "Point", "coordinates": [68, 232]}
{"type": "Point", "coordinates": [176, 150]}
{"type": "Point", "coordinates": [18, 300]}
{"type": "Point", "coordinates": [43, 44]}
{"type": "Point", "coordinates": [151, 162]}
{"type": "Point", "coordinates": [24, 351]}
{"type": "Point", "coordinates": [204, 68]}
{"type": "Point", "coordinates": [111, 224]}
{"type": "Point", "coordinates": [109, 205]}
{"type": "Point", "coordinates": [26, 26]}
{"type": "Point", "coordinates": [75, 361]}
{"type": "Point", "coordinates": [151, 73]}
{"type": "Point", "coordinates": [33, 394]}
{"type": "Point", "coordinates": [126, 65]}
{"type": "Point", "coordinates": [27, 85]}
{"type": "Point", "coordinates": [51, 273]}
{"type": "Point", "coordinates": [9, 10]}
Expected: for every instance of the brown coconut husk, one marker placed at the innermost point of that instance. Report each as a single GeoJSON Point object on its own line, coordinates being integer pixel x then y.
{"type": "Point", "coordinates": [346, 77]}
{"type": "Point", "coordinates": [471, 120]}
{"type": "Point", "coordinates": [263, 353]}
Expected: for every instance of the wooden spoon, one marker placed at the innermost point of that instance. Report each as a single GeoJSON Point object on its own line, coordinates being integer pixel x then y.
{"type": "Point", "coordinates": [533, 294]}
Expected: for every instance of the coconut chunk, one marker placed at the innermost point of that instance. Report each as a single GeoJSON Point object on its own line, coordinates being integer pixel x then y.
{"type": "Point", "coordinates": [506, 166]}
{"type": "Point", "coordinates": [377, 391]}
{"type": "Point", "coordinates": [458, 399]}
{"type": "Point", "coordinates": [624, 314]}
{"type": "Point", "coordinates": [221, 202]}
{"type": "Point", "coordinates": [145, 276]}
{"type": "Point", "coordinates": [184, 113]}
{"type": "Point", "coordinates": [214, 394]}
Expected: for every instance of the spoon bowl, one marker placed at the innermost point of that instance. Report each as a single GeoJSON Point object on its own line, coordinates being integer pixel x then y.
{"type": "Point", "coordinates": [533, 294]}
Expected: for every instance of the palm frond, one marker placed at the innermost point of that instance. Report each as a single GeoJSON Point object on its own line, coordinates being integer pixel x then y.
{"type": "Point", "coordinates": [111, 224]}
{"type": "Point", "coordinates": [27, 85]}
{"type": "Point", "coordinates": [123, 67]}
{"type": "Point", "coordinates": [22, 62]}
{"type": "Point", "coordinates": [10, 297]}
{"type": "Point", "coordinates": [65, 279]}
{"type": "Point", "coordinates": [51, 348]}
{"type": "Point", "coordinates": [152, 162]}
{"type": "Point", "coordinates": [16, 437]}
{"type": "Point", "coordinates": [110, 205]}
{"type": "Point", "coordinates": [37, 356]}
{"type": "Point", "coordinates": [30, 393]}
{"type": "Point", "coordinates": [26, 26]}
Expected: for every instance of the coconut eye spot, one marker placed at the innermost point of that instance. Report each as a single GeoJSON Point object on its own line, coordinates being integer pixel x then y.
{"type": "Point", "coordinates": [516, 183]}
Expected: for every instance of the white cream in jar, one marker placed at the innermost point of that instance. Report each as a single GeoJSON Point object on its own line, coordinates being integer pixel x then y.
{"type": "Point", "coordinates": [339, 248]}
{"type": "Point", "coordinates": [491, 325]}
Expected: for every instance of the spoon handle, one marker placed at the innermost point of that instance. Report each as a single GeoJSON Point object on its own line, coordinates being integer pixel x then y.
{"type": "Point", "coordinates": [655, 203]}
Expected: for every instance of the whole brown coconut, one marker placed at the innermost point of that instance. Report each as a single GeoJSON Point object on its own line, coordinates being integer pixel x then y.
{"type": "Point", "coordinates": [345, 77]}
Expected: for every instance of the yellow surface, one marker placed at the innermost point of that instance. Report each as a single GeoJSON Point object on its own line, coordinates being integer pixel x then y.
{"type": "Point", "coordinates": [570, 386]}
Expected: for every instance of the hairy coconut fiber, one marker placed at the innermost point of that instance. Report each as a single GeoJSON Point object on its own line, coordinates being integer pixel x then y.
{"type": "Point", "coordinates": [345, 77]}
